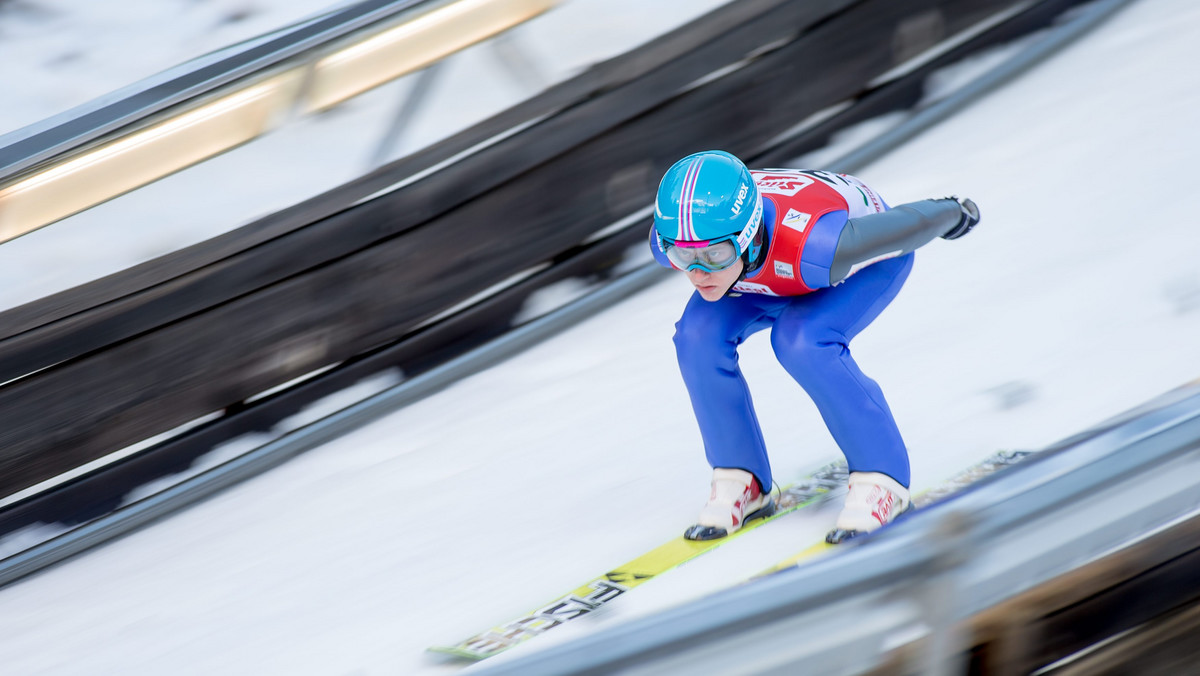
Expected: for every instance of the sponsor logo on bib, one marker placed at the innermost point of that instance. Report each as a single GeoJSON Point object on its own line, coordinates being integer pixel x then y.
{"type": "Point", "coordinates": [750, 287]}
{"type": "Point", "coordinates": [782, 184]}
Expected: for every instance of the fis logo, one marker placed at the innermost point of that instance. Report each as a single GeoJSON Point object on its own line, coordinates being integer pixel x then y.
{"type": "Point", "coordinates": [741, 199]}
{"type": "Point", "coordinates": [796, 220]}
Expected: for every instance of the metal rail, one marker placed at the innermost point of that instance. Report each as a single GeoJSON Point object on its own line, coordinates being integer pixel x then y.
{"type": "Point", "coordinates": [23, 148]}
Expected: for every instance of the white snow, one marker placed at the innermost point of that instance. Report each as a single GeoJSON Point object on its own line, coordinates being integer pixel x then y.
{"type": "Point", "coordinates": [1073, 301]}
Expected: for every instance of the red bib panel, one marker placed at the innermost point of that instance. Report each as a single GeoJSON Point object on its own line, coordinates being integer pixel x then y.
{"type": "Point", "coordinates": [799, 200]}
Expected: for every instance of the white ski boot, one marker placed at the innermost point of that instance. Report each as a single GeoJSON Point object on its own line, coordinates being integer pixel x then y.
{"type": "Point", "coordinates": [874, 500]}
{"type": "Point", "coordinates": [735, 499]}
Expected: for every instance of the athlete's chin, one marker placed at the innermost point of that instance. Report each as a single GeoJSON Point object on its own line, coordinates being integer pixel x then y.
{"type": "Point", "coordinates": [710, 293]}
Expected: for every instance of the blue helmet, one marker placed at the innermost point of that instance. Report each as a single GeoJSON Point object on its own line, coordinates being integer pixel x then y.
{"type": "Point", "coordinates": [709, 197]}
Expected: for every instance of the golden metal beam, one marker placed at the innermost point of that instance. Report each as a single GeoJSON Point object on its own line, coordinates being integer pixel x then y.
{"type": "Point", "coordinates": [131, 161]}
{"type": "Point", "coordinates": [413, 45]}
{"type": "Point", "coordinates": [194, 133]}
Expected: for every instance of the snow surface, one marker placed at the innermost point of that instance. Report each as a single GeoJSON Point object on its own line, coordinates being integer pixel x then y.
{"type": "Point", "coordinates": [1077, 298]}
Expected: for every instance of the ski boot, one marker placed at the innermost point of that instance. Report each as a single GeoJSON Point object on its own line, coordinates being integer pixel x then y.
{"type": "Point", "coordinates": [874, 500]}
{"type": "Point", "coordinates": [735, 499]}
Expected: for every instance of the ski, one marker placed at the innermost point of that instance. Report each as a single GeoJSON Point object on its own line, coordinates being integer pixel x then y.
{"type": "Point", "coordinates": [817, 488]}
{"type": "Point", "coordinates": [990, 465]}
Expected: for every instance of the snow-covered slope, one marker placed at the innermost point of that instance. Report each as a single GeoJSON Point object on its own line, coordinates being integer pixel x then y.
{"type": "Point", "coordinates": [1078, 297]}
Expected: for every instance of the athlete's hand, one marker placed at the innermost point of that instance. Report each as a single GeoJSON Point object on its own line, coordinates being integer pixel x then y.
{"type": "Point", "coordinates": [968, 221]}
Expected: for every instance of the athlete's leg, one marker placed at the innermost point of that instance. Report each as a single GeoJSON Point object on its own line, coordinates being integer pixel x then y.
{"type": "Point", "coordinates": [706, 342]}
{"type": "Point", "coordinates": [811, 339]}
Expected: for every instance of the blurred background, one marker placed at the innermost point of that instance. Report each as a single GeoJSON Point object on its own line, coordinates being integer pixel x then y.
{"type": "Point", "coordinates": [239, 233]}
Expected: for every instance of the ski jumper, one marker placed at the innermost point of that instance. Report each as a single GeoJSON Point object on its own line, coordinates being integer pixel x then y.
{"type": "Point", "coordinates": [812, 323]}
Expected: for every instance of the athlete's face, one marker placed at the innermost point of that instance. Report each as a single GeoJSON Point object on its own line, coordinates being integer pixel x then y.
{"type": "Point", "coordinates": [713, 285]}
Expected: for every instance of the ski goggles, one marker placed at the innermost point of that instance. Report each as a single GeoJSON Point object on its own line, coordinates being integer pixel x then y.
{"type": "Point", "coordinates": [706, 255]}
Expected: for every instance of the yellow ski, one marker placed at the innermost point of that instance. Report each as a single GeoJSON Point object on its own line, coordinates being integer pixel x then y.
{"type": "Point", "coordinates": [815, 489]}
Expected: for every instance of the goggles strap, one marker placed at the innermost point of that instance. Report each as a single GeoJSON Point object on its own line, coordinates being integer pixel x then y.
{"type": "Point", "coordinates": [761, 257]}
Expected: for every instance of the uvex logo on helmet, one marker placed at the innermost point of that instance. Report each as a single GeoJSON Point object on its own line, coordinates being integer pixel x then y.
{"type": "Point", "coordinates": [741, 199]}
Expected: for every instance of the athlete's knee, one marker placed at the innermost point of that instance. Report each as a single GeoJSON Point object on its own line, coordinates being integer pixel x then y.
{"type": "Point", "coordinates": [698, 342]}
{"type": "Point", "coordinates": [805, 350]}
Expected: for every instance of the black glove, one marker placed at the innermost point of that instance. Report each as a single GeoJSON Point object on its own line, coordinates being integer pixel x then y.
{"type": "Point", "coordinates": [970, 218]}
